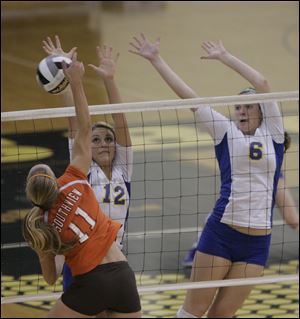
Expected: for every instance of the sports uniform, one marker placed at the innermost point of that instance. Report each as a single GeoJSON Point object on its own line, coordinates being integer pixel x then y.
{"type": "Point", "coordinates": [112, 195]}
{"type": "Point", "coordinates": [250, 168]}
{"type": "Point", "coordinates": [77, 213]}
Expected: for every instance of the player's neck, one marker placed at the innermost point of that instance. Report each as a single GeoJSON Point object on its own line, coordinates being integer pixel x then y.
{"type": "Point", "coordinates": [107, 170]}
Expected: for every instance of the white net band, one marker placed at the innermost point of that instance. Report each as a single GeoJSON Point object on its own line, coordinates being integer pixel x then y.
{"type": "Point", "coordinates": [149, 106]}
{"type": "Point", "coordinates": [181, 286]}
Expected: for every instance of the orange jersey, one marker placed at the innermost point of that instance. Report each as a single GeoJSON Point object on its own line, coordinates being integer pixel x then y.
{"type": "Point", "coordinates": [77, 213]}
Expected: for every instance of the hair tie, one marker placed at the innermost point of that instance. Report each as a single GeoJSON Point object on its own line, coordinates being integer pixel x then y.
{"type": "Point", "coordinates": [41, 174]}
{"type": "Point", "coordinates": [39, 206]}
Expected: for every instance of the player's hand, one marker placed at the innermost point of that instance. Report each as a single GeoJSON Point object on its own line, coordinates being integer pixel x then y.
{"type": "Point", "coordinates": [51, 49]}
{"type": "Point", "coordinates": [214, 50]}
{"type": "Point", "coordinates": [75, 71]}
{"type": "Point", "coordinates": [107, 62]}
{"type": "Point", "coordinates": [145, 48]}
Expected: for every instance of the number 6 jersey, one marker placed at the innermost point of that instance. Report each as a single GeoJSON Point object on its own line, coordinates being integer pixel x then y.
{"type": "Point", "coordinates": [249, 166]}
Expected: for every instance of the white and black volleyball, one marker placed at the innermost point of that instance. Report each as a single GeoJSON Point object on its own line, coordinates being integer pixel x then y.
{"type": "Point", "coordinates": [50, 75]}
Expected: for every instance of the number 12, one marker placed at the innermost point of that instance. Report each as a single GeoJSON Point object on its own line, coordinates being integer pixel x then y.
{"type": "Point", "coordinates": [119, 200]}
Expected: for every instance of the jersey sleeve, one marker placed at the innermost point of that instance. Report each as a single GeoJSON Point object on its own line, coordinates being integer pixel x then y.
{"type": "Point", "coordinates": [75, 172]}
{"type": "Point", "coordinates": [215, 123]}
{"type": "Point", "coordinates": [273, 121]}
{"type": "Point", "coordinates": [124, 161]}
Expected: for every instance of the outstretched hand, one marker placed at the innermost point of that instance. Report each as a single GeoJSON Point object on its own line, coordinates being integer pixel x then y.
{"type": "Point", "coordinates": [75, 71]}
{"type": "Point", "coordinates": [107, 63]}
{"type": "Point", "coordinates": [51, 49]}
{"type": "Point", "coordinates": [145, 48]}
{"type": "Point", "coordinates": [214, 50]}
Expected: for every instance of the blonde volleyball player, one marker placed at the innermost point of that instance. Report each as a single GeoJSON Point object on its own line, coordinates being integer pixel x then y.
{"type": "Point", "coordinates": [67, 220]}
{"type": "Point", "coordinates": [111, 169]}
{"type": "Point", "coordinates": [236, 238]}
{"type": "Point", "coordinates": [284, 201]}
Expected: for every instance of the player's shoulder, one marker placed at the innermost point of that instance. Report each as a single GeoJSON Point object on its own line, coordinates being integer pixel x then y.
{"type": "Point", "coordinates": [72, 173]}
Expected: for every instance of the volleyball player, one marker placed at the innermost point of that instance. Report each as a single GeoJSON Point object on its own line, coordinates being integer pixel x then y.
{"type": "Point", "coordinates": [284, 201]}
{"type": "Point", "coordinates": [236, 238]}
{"type": "Point", "coordinates": [67, 219]}
{"type": "Point", "coordinates": [111, 169]}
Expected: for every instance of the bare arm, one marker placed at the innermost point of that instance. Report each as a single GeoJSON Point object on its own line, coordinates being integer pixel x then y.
{"type": "Point", "coordinates": [82, 154]}
{"type": "Point", "coordinates": [67, 95]}
{"type": "Point", "coordinates": [286, 205]}
{"type": "Point", "coordinates": [107, 70]}
{"type": "Point", "coordinates": [150, 51]}
{"type": "Point", "coordinates": [68, 101]}
{"type": "Point", "coordinates": [47, 261]}
{"type": "Point", "coordinates": [216, 51]}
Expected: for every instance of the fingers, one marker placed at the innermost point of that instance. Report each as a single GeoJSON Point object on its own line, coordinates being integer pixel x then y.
{"type": "Point", "coordinates": [211, 44]}
{"type": "Point", "coordinates": [134, 52]}
{"type": "Point", "coordinates": [99, 53]}
{"type": "Point", "coordinates": [82, 66]}
{"type": "Point", "coordinates": [206, 46]}
{"type": "Point", "coordinates": [46, 50]}
{"type": "Point", "coordinates": [137, 41]}
{"type": "Point", "coordinates": [105, 52]}
{"type": "Point", "coordinates": [47, 47]}
{"type": "Point", "coordinates": [135, 46]}
{"type": "Point", "coordinates": [74, 57]}
{"type": "Point", "coordinates": [72, 52]}
{"type": "Point", "coordinates": [58, 45]}
{"type": "Point", "coordinates": [50, 43]}
{"type": "Point", "coordinates": [93, 67]}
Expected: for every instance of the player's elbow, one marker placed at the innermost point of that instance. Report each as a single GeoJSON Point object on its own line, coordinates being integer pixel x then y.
{"type": "Point", "coordinates": [263, 86]}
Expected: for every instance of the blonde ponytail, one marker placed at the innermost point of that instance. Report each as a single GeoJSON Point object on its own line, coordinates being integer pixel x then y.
{"type": "Point", "coordinates": [42, 190]}
{"type": "Point", "coordinates": [42, 236]}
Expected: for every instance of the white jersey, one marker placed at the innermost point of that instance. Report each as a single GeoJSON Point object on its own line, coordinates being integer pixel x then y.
{"type": "Point", "coordinates": [249, 166]}
{"type": "Point", "coordinates": [113, 195]}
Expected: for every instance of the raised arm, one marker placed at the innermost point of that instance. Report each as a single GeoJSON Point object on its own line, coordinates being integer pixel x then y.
{"type": "Point", "coordinates": [81, 154]}
{"type": "Point", "coordinates": [287, 205]}
{"type": "Point", "coordinates": [107, 70]}
{"type": "Point", "coordinates": [67, 95]}
{"type": "Point", "coordinates": [216, 51]}
{"type": "Point", "coordinates": [150, 51]}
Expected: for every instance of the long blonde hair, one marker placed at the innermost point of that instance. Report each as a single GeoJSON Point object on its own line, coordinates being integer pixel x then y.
{"type": "Point", "coordinates": [42, 236]}
{"type": "Point", "coordinates": [42, 190]}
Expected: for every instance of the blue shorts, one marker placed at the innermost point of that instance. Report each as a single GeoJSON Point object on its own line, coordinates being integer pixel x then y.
{"type": "Point", "coordinates": [219, 239]}
{"type": "Point", "coordinates": [67, 277]}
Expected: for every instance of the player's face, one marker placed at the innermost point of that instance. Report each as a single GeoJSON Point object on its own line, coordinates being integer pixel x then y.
{"type": "Point", "coordinates": [103, 146]}
{"type": "Point", "coordinates": [248, 117]}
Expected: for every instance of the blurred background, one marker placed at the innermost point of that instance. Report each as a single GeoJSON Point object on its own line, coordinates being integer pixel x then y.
{"type": "Point", "coordinates": [264, 34]}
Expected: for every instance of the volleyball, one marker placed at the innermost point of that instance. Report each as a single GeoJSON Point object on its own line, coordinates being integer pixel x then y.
{"type": "Point", "coordinates": [50, 75]}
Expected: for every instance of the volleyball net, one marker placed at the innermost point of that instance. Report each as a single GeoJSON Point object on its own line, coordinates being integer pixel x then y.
{"type": "Point", "coordinates": [174, 187]}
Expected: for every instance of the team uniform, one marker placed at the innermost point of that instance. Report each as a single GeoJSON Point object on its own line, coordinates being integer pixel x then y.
{"type": "Point", "coordinates": [94, 288]}
{"type": "Point", "coordinates": [112, 195]}
{"type": "Point", "coordinates": [250, 168]}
